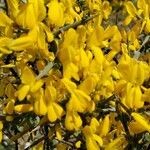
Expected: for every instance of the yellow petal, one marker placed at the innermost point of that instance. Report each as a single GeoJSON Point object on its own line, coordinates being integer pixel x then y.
{"type": "Point", "coordinates": [56, 13]}
{"type": "Point", "coordinates": [105, 126]}
{"type": "Point", "coordinates": [141, 120]}
{"type": "Point", "coordinates": [1, 125]}
{"type": "Point", "coordinates": [91, 144]}
{"type": "Point", "coordinates": [5, 50]}
{"type": "Point", "coordinates": [39, 9]}
{"type": "Point", "coordinates": [79, 101]}
{"type": "Point", "coordinates": [70, 71]}
{"type": "Point", "coordinates": [127, 20]}
{"type": "Point", "coordinates": [50, 94]}
{"type": "Point", "coordinates": [143, 72]}
{"type": "Point", "coordinates": [5, 20]}
{"type": "Point", "coordinates": [141, 4]}
{"type": "Point", "coordinates": [98, 139]}
{"type": "Point", "coordinates": [106, 9]}
{"type": "Point", "coordinates": [25, 15]}
{"type": "Point", "coordinates": [96, 37]}
{"type": "Point", "coordinates": [13, 8]}
{"type": "Point", "coordinates": [115, 144]}
{"type": "Point", "coordinates": [129, 95]}
{"type": "Point", "coordinates": [58, 133]}
{"type": "Point", "coordinates": [131, 8]}
{"type": "Point", "coordinates": [1, 136]}
{"type": "Point", "coordinates": [84, 58]}
{"type": "Point", "coordinates": [40, 107]}
{"type": "Point", "coordinates": [10, 90]}
{"type": "Point", "coordinates": [69, 85]}
{"type": "Point", "coordinates": [36, 86]}
{"type": "Point", "coordinates": [136, 128]}
{"type": "Point", "coordinates": [89, 84]}
{"type": "Point", "coordinates": [94, 124]}
{"type": "Point", "coordinates": [23, 108]}
{"type": "Point", "coordinates": [49, 34]}
{"type": "Point", "coordinates": [10, 107]}
{"type": "Point", "coordinates": [137, 102]}
{"type": "Point", "coordinates": [54, 112]}
{"type": "Point", "coordinates": [20, 43]}
{"type": "Point", "coordinates": [59, 110]}
{"type": "Point", "coordinates": [78, 144]}
{"type": "Point", "coordinates": [8, 66]}
{"type": "Point", "coordinates": [27, 76]}
{"type": "Point", "coordinates": [72, 121]}
{"type": "Point", "coordinates": [52, 116]}
{"type": "Point", "coordinates": [22, 92]}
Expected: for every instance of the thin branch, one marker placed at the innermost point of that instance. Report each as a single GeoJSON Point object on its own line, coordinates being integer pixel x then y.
{"type": "Point", "coordinates": [35, 142]}
{"type": "Point", "coordinates": [123, 106]}
{"type": "Point", "coordinates": [144, 42]}
{"type": "Point", "coordinates": [28, 129]}
{"type": "Point", "coordinates": [65, 142]}
{"type": "Point", "coordinates": [74, 25]}
{"type": "Point", "coordinates": [45, 71]}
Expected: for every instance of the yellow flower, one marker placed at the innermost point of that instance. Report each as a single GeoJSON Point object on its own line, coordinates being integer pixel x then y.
{"type": "Point", "coordinates": [89, 84]}
{"type": "Point", "coordinates": [56, 13]}
{"type": "Point", "coordinates": [40, 107]}
{"type": "Point", "coordinates": [132, 70]}
{"type": "Point", "coordinates": [132, 11]}
{"type": "Point", "coordinates": [29, 84]}
{"type": "Point", "coordinates": [133, 96]}
{"type": "Point", "coordinates": [141, 120]}
{"type": "Point", "coordinates": [96, 37]}
{"type": "Point", "coordinates": [106, 7]}
{"type": "Point", "coordinates": [33, 9]}
{"type": "Point", "coordinates": [79, 100]}
{"type": "Point", "coordinates": [72, 120]}
{"type": "Point", "coordinates": [54, 110]}
{"type": "Point", "coordinates": [93, 141]}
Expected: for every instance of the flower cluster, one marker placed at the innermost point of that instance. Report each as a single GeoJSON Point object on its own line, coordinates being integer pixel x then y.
{"type": "Point", "coordinates": [81, 67]}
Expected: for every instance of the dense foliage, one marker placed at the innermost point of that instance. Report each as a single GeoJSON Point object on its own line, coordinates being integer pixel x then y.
{"type": "Point", "coordinates": [75, 74]}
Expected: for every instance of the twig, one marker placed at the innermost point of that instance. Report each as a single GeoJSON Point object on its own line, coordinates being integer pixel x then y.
{"type": "Point", "coordinates": [28, 129]}
{"type": "Point", "coordinates": [65, 142]}
{"type": "Point", "coordinates": [144, 42]}
{"type": "Point", "coordinates": [3, 6]}
{"type": "Point", "coordinates": [123, 106]}
{"type": "Point", "coordinates": [45, 71]}
{"type": "Point", "coordinates": [35, 142]}
{"type": "Point", "coordinates": [74, 25]}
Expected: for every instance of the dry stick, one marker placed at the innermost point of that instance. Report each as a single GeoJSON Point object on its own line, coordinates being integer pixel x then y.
{"type": "Point", "coordinates": [19, 135]}
{"type": "Point", "coordinates": [65, 142]}
{"type": "Point", "coordinates": [144, 42]}
{"type": "Point", "coordinates": [45, 71]}
{"type": "Point", "coordinates": [36, 142]}
{"type": "Point", "coordinates": [50, 65]}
